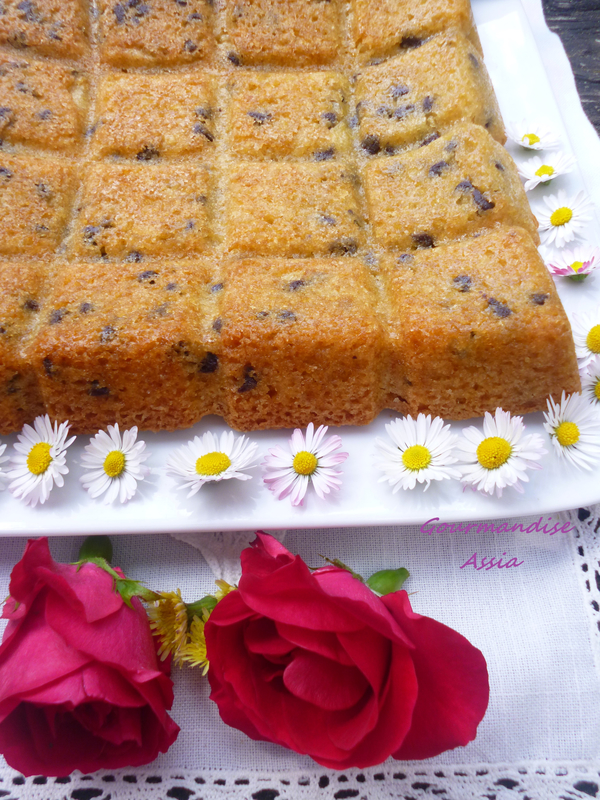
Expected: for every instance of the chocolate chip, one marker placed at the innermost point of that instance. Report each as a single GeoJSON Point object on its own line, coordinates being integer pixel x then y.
{"type": "Point", "coordinates": [481, 201]}
{"type": "Point", "coordinates": [108, 334]}
{"type": "Point", "coordinates": [330, 118]}
{"type": "Point", "coordinates": [195, 15]}
{"type": "Point", "coordinates": [343, 247]}
{"type": "Point", "coordinates": [135, 257]}
{"type": "Point", "coordinates": [250, 382]}
{"type": "Point", "coordinates": [205, 113]}
{"type": "Point", "coordinates": [405, 258]}
{"type": "Point", "coordinates": [539, 299]}
{"type": "Point", "coordinates": [216, 287]}
{"type": "Point", "coordinates": [403, 111]}
{"type": "Point", "coordinates": [147, 275]}
{"type": "Point", "coordinates": [5, 112]}
{"type": "Point", "coordinates": [190, 225]}
{"type": "Point", "coordinates": [462, 283]}
{"type": "Point", "coordinates": [96, 390]}
{"type": "Point", "coordinates": [353, 121]}
{"type": "Point", "coordinates": [85, 308]}
{"type": "Point", "coordinates": [201, 130]}
{"type": "Point", "coordinates": [210, 363]}
{"type": "Point", "coordinates": [423, 240]}
{"type": "Point", "coordinates": [53, 33]}
{"type": "Point", "coordinates": [427, 104]}
{"type": "Point", "coordinates": [147, 153]}
{"type": "Point", "coordinates": [451, 146]}
{"type": "Point", "coordinates": [48, 367]}
{"type": "Point", "coordinates": [385, 111]}
{"type": "Point", "coordinates": [57, 316]}
{"type": "Point", "coordinates": [474, 60]}
{"type": "Point", "coordinates": [217, 325]}
{"type": "Point", "coordinates": [429, 139]}
{"type": "Point", "coordinates": [201, 198]}
{"type": "Point", "coordinates": [30, 11]}
{"type": "Point", "coordinates": [438, 168]}
{"type": "Point", "coordinates": [499, 166]}
{"type": "Point", "coordinates": [399, 90]}
{"type": "Point", "coordinates": [234, 58]}
{"type": "Point", "coordinates": [260, 117]}
{"type": "Point", "coordinates": [44, 190]}
{"type": "Point", "coordinates": [45, 114]}
{"type": "Point", "coordinates": [189, 46]}
{"type": "Point", "coordinates": [31, 305]}
{"type": "Point", "coordinates": [262, 314]}
{"type": "Point", "coordinates": [170, 287]}
{"type": "Point", "coordinates": [5, 173]}
{"type": "Point", "coordinates": [286, 316]}
{"type": "Point", "coordinates": [408, 42]}
{"type": "Point", "coordinates": [293, 286]}
{"type": "Point", "coordinates": [324, 155]}
{"type": "Point", "coordinates": [159, 311]}
{"type": "Point", "coordinates": [499, 309]}
{"type": "Point", "coordinates": [327, 220]}
{"type": "Point", "coordinates": [390, 149]}
{"type": "Point", "coordinates": [89, 234]}
{"type": "Point", "coordinates": [463, 186]}
{"type": "Point", "coordinates": [120, 13]}
{"type": "Point", "coordinates": [371, 144]}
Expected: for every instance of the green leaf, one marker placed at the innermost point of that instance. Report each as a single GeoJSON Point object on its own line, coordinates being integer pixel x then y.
{"type": "Point", "coordinates": [96, 547]}
{"type": "Point", "coordinates": [128, 588]}
{"type": "Point", "coordinates": [387, 581]}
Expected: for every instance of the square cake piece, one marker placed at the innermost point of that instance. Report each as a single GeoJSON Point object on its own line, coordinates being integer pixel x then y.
{"type": "Point", "coordinates": [301, 342]}
{"type": "Point", "coordinates": [476, 325]}
{"type": "Point", "coordinates": [423, 92]}
{"type": "Point", "coordinates": [150, 116]}
{"type": "Point", "coordinates": [36, 196]}
{"type": "Point", "coordinates": [56, 28]}
{"type": "Point", "coordinates": [20, 307]}
{"type": "Point", "coordinates": [384, 27]}
{"type": "Point", "coordinates": [131, 212]}
{"type": "Point", "coordinates": [293, 210]}
{"type": "Point", "coordinates": [133, 345]}
{"type": "Point", "coordinates": [459, 184]}
{"type": "Point", "coordinates": [289, 33]}
{"type": "Point", "coordinates": [156, 33]}
{"type": "Point", "coordinates": [278, 114]}
{"type": "Point", "coordinates": [41, 104]}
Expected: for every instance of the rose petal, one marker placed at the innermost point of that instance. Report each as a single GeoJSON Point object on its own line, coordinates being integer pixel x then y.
{"type": "Point", "coordinates": [324, 683]}
{"type": "Point", "coordinates": [323, 642]}
{"type": "Point", "coordinates": [261, 636]}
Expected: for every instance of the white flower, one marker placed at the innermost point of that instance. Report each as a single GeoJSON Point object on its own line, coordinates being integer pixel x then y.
{"type": "Point", "coordinates": [531, 135]}
{"type": "Point", "coordinates": [500, 456]}
{"type": "Point", "coordinates": [590, 382]}
{"type": "Point", "coordinates": [114, 464]}
{"type": "Point", "coordinates": [562, 219]}
{"type": "Point", "coordinates": [310, 461]}
{"type": "Point", "coordinates": [576, 263]}
{"type": "Point", "coordinates": [574, 428]}
{"type": "Point", "coordinates": [422, 453]}
{"type": "Point", "coordinates": [586, 335]}
{"type": "Point", "coordinates": [2, 460]}
{"type": "Point", "coordinates": [208, 459]}
{"type": "Point", "coordinates": [536, 170]}
{"type": "Point", "coordinates": [40, 460]}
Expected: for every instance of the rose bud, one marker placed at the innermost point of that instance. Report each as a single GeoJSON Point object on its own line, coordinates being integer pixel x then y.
{"type": "Point", "coordinates": [80, 683]}
{"type": "Point", "coordinates": [315, 661]}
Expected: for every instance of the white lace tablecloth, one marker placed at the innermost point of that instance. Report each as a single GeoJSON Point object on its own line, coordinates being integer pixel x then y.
{"type": "Point", "coordinates": [537, 625]}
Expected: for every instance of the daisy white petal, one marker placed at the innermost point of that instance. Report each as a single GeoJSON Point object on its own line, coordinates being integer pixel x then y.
{"type": "Point", "coordinates": [586, 335]}
{"type": "Point", "coordinates": [40, 460]}
{"type": "Point", "coordinates": [206, 459]}
{"type": "Point", "coordinates": [537, 170]}
{"type": "Point", "coordinates": [3, 458]}
{"type": "Point", "coordinates": [499, 456]}
{"type": "Point", "coordinates": [422, 451]}
{"type": "Point", "coordinates": [311, 460]}
{"type": "Point", "coordinates": [532, 135]}
{"type": "Point", "coordinates": [590, 382]}
{"type": "Point", "coordinates": [562, 218]}
{"type": "Point", "coordinates": [114, 464]}
{"type": "Point", "coordinates": [574, 428]}
{"type": "Point", "coordinates": [575, 263]}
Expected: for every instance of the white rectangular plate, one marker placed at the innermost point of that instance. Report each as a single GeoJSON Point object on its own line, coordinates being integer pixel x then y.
{"type": "Point", "coordinates": [533, 80]}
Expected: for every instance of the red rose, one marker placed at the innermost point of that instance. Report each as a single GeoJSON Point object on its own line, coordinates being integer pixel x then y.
{"type": "Point", "coordinates": [80, 684]}
{"type": "Point", "coordinates": [318, 663]}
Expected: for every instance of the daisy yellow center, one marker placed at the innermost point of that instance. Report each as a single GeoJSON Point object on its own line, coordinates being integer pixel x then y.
{"type": "Point", "coordinates": [593, 339]}
{"type": "Point", "coordinates": [597, 390]}
{"type": "Point", "coordinates": [493, 452]}
{"type": "Point", "coordinates": [545, 171]}
{"type": "Point", "coordinates": [212, 464]}
{"type": "Point", "coordinates": [416, 457]}
{"type": "Point", "coordinates": [561, 216]}
{"type": "Point", "coordinates": [304, 463]}
{"type": "Point", "coordinates": [532, 138]}
{"type": "Point", "coordinates": [567, 434]}
{"type": "Point", "coordinates": [39, 458]}
{"type": "Point", "coordinates": [114, 463]}
{"type": "Point", "coordinates": [576, 266]}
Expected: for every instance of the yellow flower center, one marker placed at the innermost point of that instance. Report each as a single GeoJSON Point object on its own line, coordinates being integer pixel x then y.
{"type": "Point", "coordinates": [114, 463]}
{"type": "Point", "coordinates": [493, 452]}
{"type": "Point", "coordinates": [304, 463]}
{"type": "Point", "coordinates": [532, 139]}
{"type": "Point", "coordinates": [212, 464]}
{"type": "Point", "coordinates": [561, 216]}
{"type": "Point", "coordinates": [576, 266]}
{"type": "Point", "coordinates": [597, 390]}
{"type": "Point", "coordinates": [416, 457]}
{"type": "Point", "coordinates": [545, 171]}
{"type": "Point", "coordinates": [567, 434]}
{"type": "Point", "coordinates": [593, 339]}
{"type": "Point", "coordinates": [39, 458]}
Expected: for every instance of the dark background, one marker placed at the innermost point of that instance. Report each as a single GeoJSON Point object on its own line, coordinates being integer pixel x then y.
{"type": "Point", "coordinates": [577, 22]}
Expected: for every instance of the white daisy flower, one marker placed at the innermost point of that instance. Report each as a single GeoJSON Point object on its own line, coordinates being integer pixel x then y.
{"type": "Point", "coordinates": [206, 459]}
{"type": "Point", "coordinates": [499, 456]}
{"type": "Point", "coordinates": [563, 218]}
{"type": "Point", "coordinates": [590, 382]}
{"type": "Point", "coordinates": [114, 463]}
{"type": "Point", "coordinates": [3, 475]}
{"type": "Point", "coordinates": [574, 428]}
{"type": "Point", "coordinates": [586, 335]}
{"type": "Point", "coordinates": [40, 460]}
{"type": "Point", "coordinates": [575, 263]}
{"type": "Point", "coordinates": [531, 135]}
{"type": "Point", "coordinates": [311, 460]}
{"type": "Point", "coordinates": [536, 170]}
{"type": "Point", "coordinates": [422, 452]}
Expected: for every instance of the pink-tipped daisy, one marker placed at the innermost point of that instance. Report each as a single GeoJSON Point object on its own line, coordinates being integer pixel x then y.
{"type": "Point", "coordinates": [312, 460]}
{"type": "Point", "coordinates": [575, 263]}
{"type": "Point", "coordinates": [590, 382]}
